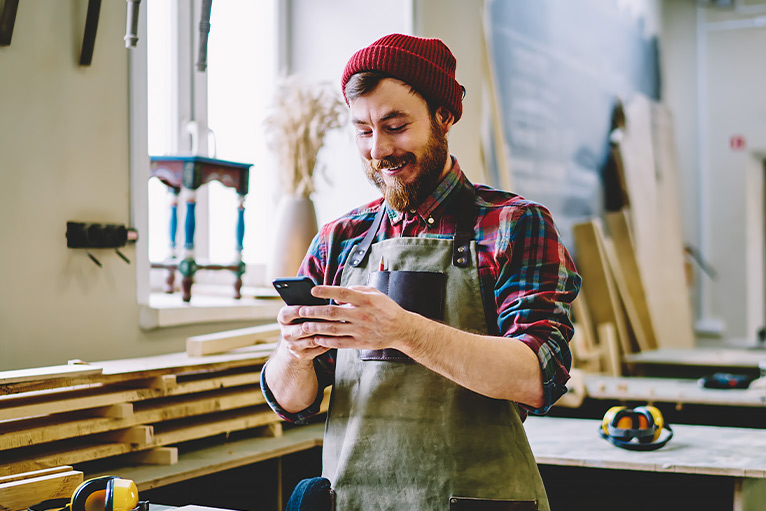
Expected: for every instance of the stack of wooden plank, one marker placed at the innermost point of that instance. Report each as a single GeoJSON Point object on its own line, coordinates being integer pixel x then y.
{"type": "Point", "coordinates": [139, 408]}
{"type": "Point", "coordinates": [635, 296]}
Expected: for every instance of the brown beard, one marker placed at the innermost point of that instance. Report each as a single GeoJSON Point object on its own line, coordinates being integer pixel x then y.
{"type": "Point", "coordinates": [403, 196]}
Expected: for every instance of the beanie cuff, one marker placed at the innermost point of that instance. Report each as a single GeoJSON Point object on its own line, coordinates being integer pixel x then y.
{"type": "Point", "coordinates": [432, 81]}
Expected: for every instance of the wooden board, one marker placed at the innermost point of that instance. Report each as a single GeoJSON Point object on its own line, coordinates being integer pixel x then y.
{"type": "Point", "coordinates": [36, 473]}
{"type": "Point", "coordinates": [623, 261]}
{"type": "Point", "coordinates": [215, 457]}
{"type": "Point", "coordinates": [607, 336]}
{"type": "Point", "coordinates": [51, 428]}
{"type": "Point", "coordinates": [585, 350]}
{"type": "Point", "coordinates": [58, 401]}
{"type": "Point", "coordinates": [659, 251]}
{"type": "Point", "coordinates": [177, 362]}
{"type": "Point", "coordinates": [629, 305]}
{"type": "Point", "coordinates": [47, 373]}
{"type": "Point", "coordinates": [221, 342]}
{"type": "Point", "coordinates": [603, 301]}
{"type": "Point", "coordinates": [710, 450]}
{"type": "Point", "coordinates": [22, 493]}
{"type": "Point", "coordinates": [123, 370]}
{"type": "Point", "coordinates": [95, 447]}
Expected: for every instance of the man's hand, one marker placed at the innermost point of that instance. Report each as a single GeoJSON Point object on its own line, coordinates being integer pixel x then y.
{"type": "Point", "coordinates": [295, 340]}
{"type": "Point", "coordinates": [363, 318]}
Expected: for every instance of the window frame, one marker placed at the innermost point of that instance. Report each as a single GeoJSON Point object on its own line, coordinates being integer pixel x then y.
{"type": "Point", "coordinates": [156, 311]}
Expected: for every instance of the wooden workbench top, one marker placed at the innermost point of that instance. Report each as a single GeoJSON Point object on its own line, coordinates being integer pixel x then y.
{"type": "Point", "coordinates": [708, 450]}
{"type": "Point", "coordinates": [712, 357]}
{"type": "Point", "coordinates": [669, 390]}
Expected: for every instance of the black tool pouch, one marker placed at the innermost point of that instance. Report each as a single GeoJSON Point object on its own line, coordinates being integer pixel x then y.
{"type": "Point", "coordinates": [421, 292]}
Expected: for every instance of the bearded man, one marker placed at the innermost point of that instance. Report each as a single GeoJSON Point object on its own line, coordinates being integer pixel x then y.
{"type": "Point", "coordinates": [449, 316]}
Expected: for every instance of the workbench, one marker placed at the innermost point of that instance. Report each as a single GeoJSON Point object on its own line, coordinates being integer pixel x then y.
{"type": "Point", "coordinates": [698, 361]}
{"type": "Point", "coordinates": [732, 459]}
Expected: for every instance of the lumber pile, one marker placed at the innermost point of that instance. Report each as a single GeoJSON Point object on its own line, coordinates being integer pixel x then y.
{"type": "Point", "coordinates": [139, 409]}
{"type": "Point", "coordinates": [634, 294]}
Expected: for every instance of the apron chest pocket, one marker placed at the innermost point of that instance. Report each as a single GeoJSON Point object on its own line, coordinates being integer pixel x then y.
{"type": "Point", "coordinates": [421, 292]}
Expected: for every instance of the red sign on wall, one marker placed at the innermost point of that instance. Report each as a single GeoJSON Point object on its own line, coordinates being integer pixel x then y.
{"type": "Point", "coordinates": [737, 142]}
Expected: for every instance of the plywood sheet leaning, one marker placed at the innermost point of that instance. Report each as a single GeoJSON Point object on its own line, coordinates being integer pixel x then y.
{"type": "Point", "coordinates": [622, 259]}
{"type": "Point", "coordinates": [586, 354]}
{"type": "Point", "coordinates": [603, 301]}
{"type": "Point", "coordinates": [654, 219]}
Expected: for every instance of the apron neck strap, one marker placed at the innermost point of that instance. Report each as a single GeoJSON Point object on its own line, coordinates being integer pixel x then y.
{"type": "Point", "coordinates": [360, 250]}
{"type": "Point", "coordinates": [463, 230]}
{"type": "Point", "coordinates": [466, 216]}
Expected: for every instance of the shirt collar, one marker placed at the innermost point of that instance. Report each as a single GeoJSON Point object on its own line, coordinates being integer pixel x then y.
{"type": "Point", "coordinates": [452, 180]}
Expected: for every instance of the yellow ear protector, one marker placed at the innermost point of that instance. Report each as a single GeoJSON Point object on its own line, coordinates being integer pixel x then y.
{"type": "Point", "coordinates": [107, 493]}
{"type": "Point", "coordinates": [621, 425]}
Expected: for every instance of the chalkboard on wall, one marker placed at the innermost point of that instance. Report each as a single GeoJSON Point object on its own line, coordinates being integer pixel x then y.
{"type": "Point", "coordinates": [560, 67]}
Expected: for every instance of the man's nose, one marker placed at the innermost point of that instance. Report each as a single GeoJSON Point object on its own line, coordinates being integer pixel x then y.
{"type": "Point", "coordinates": [381, 146]}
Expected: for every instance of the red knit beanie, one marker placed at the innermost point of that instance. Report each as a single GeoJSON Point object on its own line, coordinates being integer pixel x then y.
{"type": "Point", "coordinates": [425, 64]}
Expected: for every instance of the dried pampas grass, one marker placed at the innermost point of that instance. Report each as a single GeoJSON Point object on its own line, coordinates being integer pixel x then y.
{"type": "Point", "coordinates": [298, 120]}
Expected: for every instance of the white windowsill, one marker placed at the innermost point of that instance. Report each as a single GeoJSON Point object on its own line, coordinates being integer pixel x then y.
{"type": "Point", "coordinates": [167, 310]}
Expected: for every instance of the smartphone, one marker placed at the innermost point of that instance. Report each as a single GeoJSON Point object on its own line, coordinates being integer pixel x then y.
{"type": "Point", "coordinates": [297, 291]}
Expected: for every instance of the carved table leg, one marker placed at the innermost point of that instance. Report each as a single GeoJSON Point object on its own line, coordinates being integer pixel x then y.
{"type": "Point", "coordinates": [170, 279]}
{"type": "Point", "coordinates": [188, 266]}
{"type": "Point", "coordinates": [240, 241]}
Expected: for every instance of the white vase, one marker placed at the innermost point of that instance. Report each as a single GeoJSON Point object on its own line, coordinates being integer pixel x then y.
{"type": "Point", "coordinates": [295, 227]}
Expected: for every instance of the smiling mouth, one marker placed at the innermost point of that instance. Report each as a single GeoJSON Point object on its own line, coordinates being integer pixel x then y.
{"type": "Point", "coordinates": [390, 171]}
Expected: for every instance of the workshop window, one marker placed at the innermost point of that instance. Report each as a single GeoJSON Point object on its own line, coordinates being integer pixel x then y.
{"type": "Point", "coordinates": [215, 113]}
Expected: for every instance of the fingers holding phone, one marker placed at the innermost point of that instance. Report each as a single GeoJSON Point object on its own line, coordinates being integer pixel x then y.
{"type": "Point", "coordinates": [296, 292]}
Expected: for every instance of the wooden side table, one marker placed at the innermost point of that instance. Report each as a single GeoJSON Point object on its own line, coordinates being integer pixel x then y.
{"type": "Point", "coordinates": [190, 173]}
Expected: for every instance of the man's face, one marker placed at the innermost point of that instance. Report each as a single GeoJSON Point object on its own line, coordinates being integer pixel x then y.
{"type": "Point", "coordinates": [403, 146]}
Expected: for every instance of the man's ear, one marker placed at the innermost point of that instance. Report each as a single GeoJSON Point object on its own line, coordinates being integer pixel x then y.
{"type": "Point", "coordinates": [445, 118]}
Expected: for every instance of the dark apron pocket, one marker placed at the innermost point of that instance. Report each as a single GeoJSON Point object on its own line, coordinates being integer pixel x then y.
{"type": "Point", "coordinates": [474, 504]}
{"type": "Point", "coordinates": [421, 292]}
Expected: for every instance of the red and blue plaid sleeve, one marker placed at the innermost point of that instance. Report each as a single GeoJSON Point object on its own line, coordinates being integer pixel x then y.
{"type": "Point", "coordinates": [536, 283]}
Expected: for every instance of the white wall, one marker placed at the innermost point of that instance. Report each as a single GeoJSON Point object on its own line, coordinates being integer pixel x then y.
{"type": "Point", "coordinates": [714, 83]}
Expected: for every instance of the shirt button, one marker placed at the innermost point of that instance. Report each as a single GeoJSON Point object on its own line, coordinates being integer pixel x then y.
{"type": "Point", "coordinates": [430, 220]}
{"type": "Point", "coordinates": [413, 211]}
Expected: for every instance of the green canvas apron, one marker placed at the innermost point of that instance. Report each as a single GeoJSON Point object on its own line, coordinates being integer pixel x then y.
{"type": "Point", "coordinates": [402, 437]}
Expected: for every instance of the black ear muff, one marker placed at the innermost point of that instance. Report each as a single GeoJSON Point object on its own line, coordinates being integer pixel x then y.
{"type": "Point", "coordinates": [108, 493]}
{"type": "Point", "coordinates": [637, 429]}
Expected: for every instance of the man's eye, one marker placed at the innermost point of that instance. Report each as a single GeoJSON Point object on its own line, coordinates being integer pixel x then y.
{"type": "Point", "coordinates": [363, 133]}
{"type": "Point", "coordinates": [396, 128]}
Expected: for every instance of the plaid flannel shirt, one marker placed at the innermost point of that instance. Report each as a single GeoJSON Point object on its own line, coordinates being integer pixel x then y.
{"type": "Point", "coordinates": [528, 279]}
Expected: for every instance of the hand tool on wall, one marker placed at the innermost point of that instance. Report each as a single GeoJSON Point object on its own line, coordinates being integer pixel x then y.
{"type": "Point", "coordinates": [7, 19]}
{"type": "Point", "coordinates": [204, 30]}
{"type": "Point", "coordinates": [89, 37]}
{"type": "Point", "coordinates": [131, 28]}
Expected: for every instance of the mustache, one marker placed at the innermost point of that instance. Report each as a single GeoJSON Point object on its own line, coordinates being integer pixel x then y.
{"type": "Point", "coordinates": [392, 162]}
